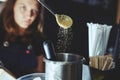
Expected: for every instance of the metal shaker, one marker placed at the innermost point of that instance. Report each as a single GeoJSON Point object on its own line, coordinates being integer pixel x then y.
{"type": "Point", "coordinates": [67, 66]}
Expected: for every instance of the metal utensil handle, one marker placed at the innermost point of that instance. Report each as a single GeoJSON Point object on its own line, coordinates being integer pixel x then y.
{"type": "Point", "coordinates": [46, 6]}
{"type": "Point", "coordinates": [49, 50]}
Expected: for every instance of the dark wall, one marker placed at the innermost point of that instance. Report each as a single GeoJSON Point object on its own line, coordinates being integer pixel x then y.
{"type": "Point", "coordinates": [81, 13]}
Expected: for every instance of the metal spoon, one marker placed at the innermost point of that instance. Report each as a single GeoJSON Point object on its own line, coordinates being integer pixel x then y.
{"type": "Point", "coordinates": [63, 21]}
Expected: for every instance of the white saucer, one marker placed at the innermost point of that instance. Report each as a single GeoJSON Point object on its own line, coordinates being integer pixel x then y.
{"type": "Point", "coordinates": [32, 76]}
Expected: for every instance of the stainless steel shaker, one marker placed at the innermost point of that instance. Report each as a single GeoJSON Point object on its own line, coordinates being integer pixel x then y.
{"type": "Point", "coordinates": [67, 66]}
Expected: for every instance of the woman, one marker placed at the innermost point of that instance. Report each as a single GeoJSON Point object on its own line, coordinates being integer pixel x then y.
{"type": "Point", "coordinates": [21, 36]}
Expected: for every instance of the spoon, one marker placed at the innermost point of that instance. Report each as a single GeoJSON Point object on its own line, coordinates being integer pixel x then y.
{"type": "Point", "coordinates": [63, 21]}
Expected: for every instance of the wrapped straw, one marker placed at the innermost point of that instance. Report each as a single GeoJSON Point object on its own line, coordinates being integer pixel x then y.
{"type": "Point", "coordinates": [98, 38]}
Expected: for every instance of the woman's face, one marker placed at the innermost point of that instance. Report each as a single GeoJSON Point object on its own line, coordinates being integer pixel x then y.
{"type": "Point", "coordinates": [25, 12]}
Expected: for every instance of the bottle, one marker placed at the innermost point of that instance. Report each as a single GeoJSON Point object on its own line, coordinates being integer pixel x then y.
{"type": "Point", "coordinates": [49, 50]}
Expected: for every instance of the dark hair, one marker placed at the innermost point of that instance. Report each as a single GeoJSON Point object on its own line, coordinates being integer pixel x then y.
{"type": "Point", "coordinates": [10, 26]}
